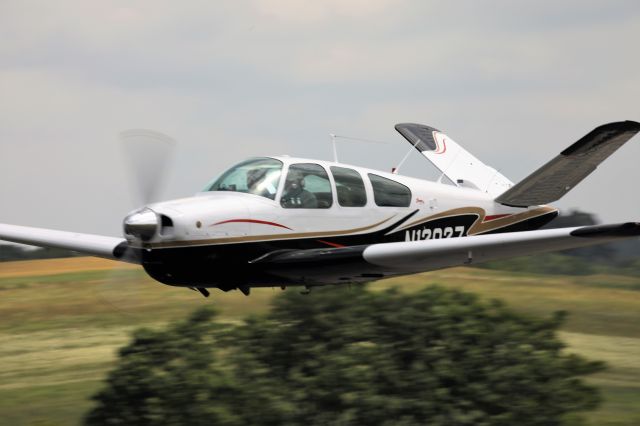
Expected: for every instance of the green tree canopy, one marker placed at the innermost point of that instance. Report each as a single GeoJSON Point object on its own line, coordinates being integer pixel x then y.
{"type": "Point", "coordinates": [352, 357]}
{"type": "Point", "coordinates": [169, 377]}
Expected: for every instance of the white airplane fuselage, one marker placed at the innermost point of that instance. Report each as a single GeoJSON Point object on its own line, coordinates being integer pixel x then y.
{"type": "Point", "coordinates": [220, 233]}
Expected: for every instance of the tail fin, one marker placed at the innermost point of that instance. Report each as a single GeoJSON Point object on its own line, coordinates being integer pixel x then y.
{"type": "Point", "coordinates": [553, 180]}
{"type": "Point", "coordinates": [456, 163]}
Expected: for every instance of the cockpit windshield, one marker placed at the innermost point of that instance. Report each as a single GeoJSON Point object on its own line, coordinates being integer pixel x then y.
{"type": "Point", "coordinates": [259, 176]}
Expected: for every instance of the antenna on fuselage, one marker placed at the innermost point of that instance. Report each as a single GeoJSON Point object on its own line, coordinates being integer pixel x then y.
{"type": "Point", "coordinates": [334, 148]}
{"type": "Point", "coordinates": [396, 168]}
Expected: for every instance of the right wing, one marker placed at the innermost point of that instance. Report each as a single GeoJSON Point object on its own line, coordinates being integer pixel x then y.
{"type": "Point", "coordinates": [436, 254]}
{"type": "Point", "coordinates": [364, 263]}
{"type": "Point", "coordinates": [94, 245]}
{"type": "Point", "coordinates": [553, 180]}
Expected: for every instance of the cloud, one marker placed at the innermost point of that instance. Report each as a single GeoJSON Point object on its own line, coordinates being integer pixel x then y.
{"type": "Point", "coordinates": [513, 82]}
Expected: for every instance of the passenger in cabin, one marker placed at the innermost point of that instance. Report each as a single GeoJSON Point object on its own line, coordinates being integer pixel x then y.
{"type": "Point", "coordinates": [295, 196]}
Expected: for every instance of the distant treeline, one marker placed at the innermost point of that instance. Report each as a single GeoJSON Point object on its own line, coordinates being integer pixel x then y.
{"type": "Point", "coordinates": [11, 253]}
{"type": "Point", "coordinates": [620, 258]}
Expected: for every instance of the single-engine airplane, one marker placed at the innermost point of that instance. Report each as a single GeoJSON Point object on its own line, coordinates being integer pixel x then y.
{"type": "Point", "coordinates": [282, 221]}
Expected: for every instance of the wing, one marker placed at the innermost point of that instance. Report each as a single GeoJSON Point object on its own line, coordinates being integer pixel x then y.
{"type": "Point", "coordinates": [364, 263]}
{"type": "Point", "coordinates": [551, 181]}
{"type": "Point", "coordinates": [94, 245]}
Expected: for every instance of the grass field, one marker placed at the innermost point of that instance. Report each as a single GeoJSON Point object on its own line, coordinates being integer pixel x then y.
{"type": "Point", "coordinates": [62, 322]}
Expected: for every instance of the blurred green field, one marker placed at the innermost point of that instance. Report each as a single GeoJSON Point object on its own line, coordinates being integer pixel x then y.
{"type": "Point", "coordinates": [62, 321]}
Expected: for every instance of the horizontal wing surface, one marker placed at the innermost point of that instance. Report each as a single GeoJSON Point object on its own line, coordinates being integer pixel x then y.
{"type": "Point", "coordinates": [553, 180]}
{"type": "Point", "coordinates": [435, 254]}
{"type": "Point", "coordinates": [94, 245]}
{"type": "Point", "coordinates": [333, 265]}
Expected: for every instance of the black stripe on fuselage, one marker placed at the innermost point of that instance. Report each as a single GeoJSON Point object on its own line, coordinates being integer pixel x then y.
{"type": "Point", "coordinates": [229, 265]}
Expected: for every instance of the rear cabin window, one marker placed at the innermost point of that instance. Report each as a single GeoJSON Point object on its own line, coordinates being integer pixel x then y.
{"type": "Point", "coordinates": [307, 187]}
{"type": "Point", "coordinates": [349, 187]}
{"type": "Point", "coordinates": [389, 193]}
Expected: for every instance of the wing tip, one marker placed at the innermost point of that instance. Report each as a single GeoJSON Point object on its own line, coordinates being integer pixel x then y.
{"type": "Point", "coordinates": [628, 229]}
{"type": "Point", "coordinates": [602, 134]}
{"type": "Point", "coordinates": [419, 135]}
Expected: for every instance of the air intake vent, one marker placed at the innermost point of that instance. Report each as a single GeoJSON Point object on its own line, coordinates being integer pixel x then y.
{"type": "Point", "coordinates": [166, 225]}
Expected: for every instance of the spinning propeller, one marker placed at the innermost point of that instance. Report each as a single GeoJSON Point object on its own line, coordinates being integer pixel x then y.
{"type": "Point", "coordinates": [148, 154]}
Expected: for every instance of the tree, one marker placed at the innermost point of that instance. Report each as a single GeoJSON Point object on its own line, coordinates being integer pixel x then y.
{"type": "Point", "coordinates": [352, 356]}
{"type": "Point", "coordinates": [433, 357]}
{"type": "Point", "coordinates": [168, 377]}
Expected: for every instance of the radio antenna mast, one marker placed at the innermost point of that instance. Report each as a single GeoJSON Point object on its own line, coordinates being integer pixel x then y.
{"type": "Point", "coordinates": [334, 148]}
{"type": "Point", "coordinates": [397, 168]}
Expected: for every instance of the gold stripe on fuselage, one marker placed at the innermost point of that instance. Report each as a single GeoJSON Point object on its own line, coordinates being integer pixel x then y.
{"type": "Point", "coordinates": [479, 225]}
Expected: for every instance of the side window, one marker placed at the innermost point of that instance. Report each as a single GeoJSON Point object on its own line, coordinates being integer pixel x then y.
{"type": "Point", "coordinates": [307, 187]}
{"type": "Point", "coordinates": [389, 193]}
{"type": "Point", "coordinates": [349, 187]}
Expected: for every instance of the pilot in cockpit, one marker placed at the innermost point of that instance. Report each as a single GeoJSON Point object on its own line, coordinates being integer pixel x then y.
{"type": "Point", "coordinates": [295, 196]}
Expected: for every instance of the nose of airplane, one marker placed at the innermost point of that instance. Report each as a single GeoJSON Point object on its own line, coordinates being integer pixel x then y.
{"type": "Point", "coordinates": [142, 224]}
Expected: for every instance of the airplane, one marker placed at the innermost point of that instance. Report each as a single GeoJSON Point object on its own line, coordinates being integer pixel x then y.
{"type": "Point", "coordinates": [284, 221]}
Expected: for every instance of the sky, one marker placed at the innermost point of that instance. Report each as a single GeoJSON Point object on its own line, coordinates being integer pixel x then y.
{"type": "Point", "coordinates": [513, 82]}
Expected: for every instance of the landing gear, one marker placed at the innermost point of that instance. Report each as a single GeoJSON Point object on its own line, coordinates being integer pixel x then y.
{"type": "Point", "coordinates": [202, 291]}
{"type": "Point", "coordinates": [469, 258]}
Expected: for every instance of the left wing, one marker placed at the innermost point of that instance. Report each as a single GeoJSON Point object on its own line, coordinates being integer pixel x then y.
{"type": "Point", "coordinates": [94, 245]}
{"type": "Point", "coordinates": [364, 263]}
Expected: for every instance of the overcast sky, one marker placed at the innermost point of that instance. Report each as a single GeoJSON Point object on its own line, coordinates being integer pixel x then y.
{"type": "Point", "coordinates": [513, 82]}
